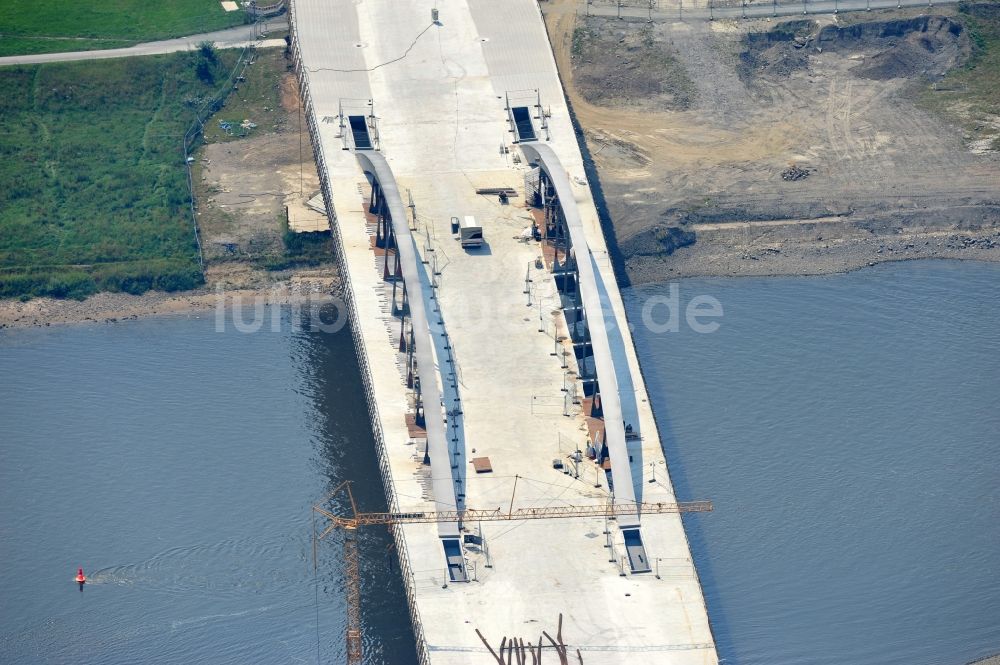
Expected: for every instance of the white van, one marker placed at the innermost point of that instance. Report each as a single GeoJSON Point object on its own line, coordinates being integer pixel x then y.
{"type": "Point", "coordinates": [470, 232]}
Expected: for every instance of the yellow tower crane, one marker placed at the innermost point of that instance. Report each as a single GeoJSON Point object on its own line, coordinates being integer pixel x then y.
{"type": "Point", "coordinates": [351, 523]}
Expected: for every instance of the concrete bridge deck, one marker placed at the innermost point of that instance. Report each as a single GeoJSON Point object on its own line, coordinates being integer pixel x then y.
{"type": "Point", "coordinates": [489, 355]}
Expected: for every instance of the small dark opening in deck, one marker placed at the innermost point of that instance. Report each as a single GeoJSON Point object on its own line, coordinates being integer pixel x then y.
{"type": "Point", "coordinates": [522, 123]}
{"type": "Point", "coordinates": [456, 560]}
{"type": "Point", "coordinates": [359, 128]}
{"type": "Point", "coordinates": [636, 551]}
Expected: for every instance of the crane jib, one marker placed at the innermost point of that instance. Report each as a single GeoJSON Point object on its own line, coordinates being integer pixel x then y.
{"type": "Point", "coordinates": [473, 514]}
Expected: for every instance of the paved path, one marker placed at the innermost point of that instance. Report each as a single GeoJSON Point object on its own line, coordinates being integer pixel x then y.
{"type": "Point", "coordinates": [705, 9]}
{"type": "Point", "coordinates": [237, 37]}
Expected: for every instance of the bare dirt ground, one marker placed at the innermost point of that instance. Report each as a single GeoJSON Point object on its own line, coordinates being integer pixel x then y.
{"type": "Point", "coordinates": [797, 148]}
{"type": "Point", "coordinates": [241, 188]}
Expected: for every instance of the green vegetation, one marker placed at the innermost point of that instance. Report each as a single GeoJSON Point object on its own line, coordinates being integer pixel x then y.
{"type": "Point", "coordinates": [972, 93]}
{"type": "Point", "coordinates": [581, 36]}
{"type": "Point", "coordinates": [93, 190]}
{"type": "Point", "coordinates": [301, 249]}
{"type": "Point", "coordinates": [44, 26]}
{"type": "Point", "coordinates": [257, 99]}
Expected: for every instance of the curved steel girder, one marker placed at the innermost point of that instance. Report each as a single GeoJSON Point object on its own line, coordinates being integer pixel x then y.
{"type": "Point", "coordinates": [590, 291]}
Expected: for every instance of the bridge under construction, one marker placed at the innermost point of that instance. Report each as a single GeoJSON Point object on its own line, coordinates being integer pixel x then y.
{"type": "Point", "coordinates": [501, 379]}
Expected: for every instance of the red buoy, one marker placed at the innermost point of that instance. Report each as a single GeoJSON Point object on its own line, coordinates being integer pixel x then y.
{"type": "Point", "coordinates": [81, 579]}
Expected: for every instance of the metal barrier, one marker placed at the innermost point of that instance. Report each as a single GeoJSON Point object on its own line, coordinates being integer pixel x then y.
{"type": "Point", "coordinates": [721, 9]}
{"type": "Point", "coordinates": [258, 10]}
{"type": "Point", "coordinates": [409, 583]}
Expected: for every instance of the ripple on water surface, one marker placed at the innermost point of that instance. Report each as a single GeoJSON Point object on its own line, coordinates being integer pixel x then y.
{"type": "Point", "coordinates": [846, 428]}
{"type": "Point", "coordinates": [178, 465]}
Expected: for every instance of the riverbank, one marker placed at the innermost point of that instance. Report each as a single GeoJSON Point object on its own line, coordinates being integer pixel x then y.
{"type": "Point", "coordinates": [298, 287]}
{"type": "Point", "coordinates": [792, 146]}
{"type": "Point", "coordinates": [810, 248]}
{"type": "Point", "coordinates": [244, 216]}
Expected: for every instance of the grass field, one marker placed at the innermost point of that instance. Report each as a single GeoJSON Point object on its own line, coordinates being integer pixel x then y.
{"type": "Point", "coordinates": [43, 26]}
{"type": "Point", "coordinates": [93, 190]}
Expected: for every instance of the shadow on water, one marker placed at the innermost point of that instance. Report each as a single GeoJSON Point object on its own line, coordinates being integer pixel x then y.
{"type": "Point", "coordinates": [692, 522]}
{"type": "Point", "coordinates": [692, 526]}
{"type": "Point", "coordinates": [696, 538]}
{"type": "Point", "coordinates": [345, 450]}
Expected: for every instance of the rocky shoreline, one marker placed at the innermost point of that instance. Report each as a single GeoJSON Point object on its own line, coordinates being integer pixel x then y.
{"type": "Point", "coordinates": [989, 660]}
{"type": "Point", "coordinates": [788, 256]}
{"type": "Point", "coordinates": [109, 308]}
{"type": "Point", "coordinates": [825, 252]}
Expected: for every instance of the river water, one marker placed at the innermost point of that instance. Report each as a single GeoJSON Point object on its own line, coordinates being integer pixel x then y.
{"type": "Point", "coordinates": [845, 427]}
{"type": "Point", "coordinates": [178, 465]}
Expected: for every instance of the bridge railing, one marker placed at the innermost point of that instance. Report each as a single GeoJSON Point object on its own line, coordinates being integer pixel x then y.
{"type": "Point", "coordinates": [347, 295]}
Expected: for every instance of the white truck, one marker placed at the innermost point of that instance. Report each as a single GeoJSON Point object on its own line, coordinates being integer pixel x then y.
{"type": "Point", "coordinates": [470, 233]}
